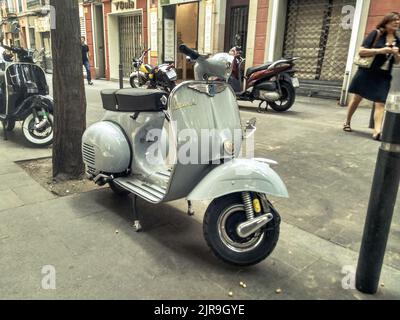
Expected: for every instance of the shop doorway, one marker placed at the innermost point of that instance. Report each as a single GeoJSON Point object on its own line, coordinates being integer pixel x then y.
{"type": "Point", "coordinates": [237, 18]}
{"type": "Point", "coordinates": [99, 42]}
{"type": "Point", "coordinates": [187, 17]}
{"type": "Point", "coordinates": [130, 40]}
{"type": "Point", "coordinates": [180, 26]}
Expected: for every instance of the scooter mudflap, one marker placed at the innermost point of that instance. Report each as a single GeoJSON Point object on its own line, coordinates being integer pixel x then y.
{"type": "Point", "coordinates": [3, 122]}
{"type": "Point", "coordinates": [260, 109]}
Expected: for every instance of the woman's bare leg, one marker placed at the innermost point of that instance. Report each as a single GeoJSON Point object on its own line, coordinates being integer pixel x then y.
{"type": "Point", "coordinates": [379, 113]}
{"type": "Point", "coordinates": [354, 103]}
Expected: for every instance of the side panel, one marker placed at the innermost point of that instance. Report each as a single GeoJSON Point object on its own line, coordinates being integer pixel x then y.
{"type": "Point", "coordinates": [239, 175]}
{"type": "Point", "coordinates": [105, 149]}
{"type": "Point", "coordinates": [140, 132]}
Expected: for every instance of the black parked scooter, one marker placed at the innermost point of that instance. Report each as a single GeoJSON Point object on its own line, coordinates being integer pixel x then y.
{"type": "Point", "coordinates": [273, 83]}
{"type": "Point", "coordinates": [24, 97]}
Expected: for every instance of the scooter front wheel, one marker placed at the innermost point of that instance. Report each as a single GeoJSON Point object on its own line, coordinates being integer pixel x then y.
{"type": "Point", "coordinates": [220, 231]}
{"type": "Point", "coordinates": [137, 82]}
{"type": "Point", "coordinates": [42, 136]}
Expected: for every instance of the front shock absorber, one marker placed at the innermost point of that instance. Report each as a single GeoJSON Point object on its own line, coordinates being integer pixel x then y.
{"type": "Point", "coordinates": [248, 205]}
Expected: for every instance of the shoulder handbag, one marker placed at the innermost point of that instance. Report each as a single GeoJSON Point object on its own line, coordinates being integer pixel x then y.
{"type": "Point", "coordinates": [366, 62]}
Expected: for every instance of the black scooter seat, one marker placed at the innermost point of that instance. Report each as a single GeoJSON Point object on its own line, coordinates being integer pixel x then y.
{"type": "Point", "coordinates": [258, 68]}
{"type": "Point", "coordinates": [133, 100]}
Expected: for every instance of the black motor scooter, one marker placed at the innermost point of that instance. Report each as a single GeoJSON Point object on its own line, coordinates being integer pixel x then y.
{"type": "Point", "coordinates": [24, 96]}
{"type": "Point", "coordinates": [272, 83]}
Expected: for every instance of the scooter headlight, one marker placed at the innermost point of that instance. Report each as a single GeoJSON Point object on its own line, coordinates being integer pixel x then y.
{"type": "Point", "coordinates": [229, 147]}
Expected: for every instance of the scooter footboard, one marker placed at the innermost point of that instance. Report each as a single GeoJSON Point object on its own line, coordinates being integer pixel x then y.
{"type": "Point", "coordinates": [239, 175]}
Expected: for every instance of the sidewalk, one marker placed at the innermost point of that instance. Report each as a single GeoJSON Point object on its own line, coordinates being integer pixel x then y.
{"type": "Point", "coordinates": [90, 241]}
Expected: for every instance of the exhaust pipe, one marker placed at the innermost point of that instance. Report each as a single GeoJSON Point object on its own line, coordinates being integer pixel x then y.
{"type": "Point", "coordinates": [102, 179]}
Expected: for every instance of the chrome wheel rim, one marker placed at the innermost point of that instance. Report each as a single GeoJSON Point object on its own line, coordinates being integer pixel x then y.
{"type": "Point", "coordinates": [227, 224]}
{"type": "Point", "coordinates": [136, 81]}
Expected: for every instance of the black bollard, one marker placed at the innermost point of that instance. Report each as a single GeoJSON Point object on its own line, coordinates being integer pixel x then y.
{"type": "Point", "coordinates": [121, 77]}
{"type": "Point", "coordinates": [382, 202]}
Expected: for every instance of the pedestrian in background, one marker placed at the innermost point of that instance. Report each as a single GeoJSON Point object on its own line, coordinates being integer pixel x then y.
{"type": "Point", "coordinates": [374, 83]}
{"type": "Point", "coordinates": [85, 60]}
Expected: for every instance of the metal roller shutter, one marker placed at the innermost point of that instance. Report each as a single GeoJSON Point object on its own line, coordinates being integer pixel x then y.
{"type": "Point", "coordinates": [315, 33]}
{"type": "Point", "coordinates": [130, 39]}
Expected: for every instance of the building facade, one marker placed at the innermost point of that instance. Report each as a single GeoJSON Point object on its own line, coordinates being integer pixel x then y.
{"type": "Point", "coordinates": [324, 34]}
{"type": "Point", "coordinates": [33, 19]}
{"type": "Point", "coordinates": [116, 32]}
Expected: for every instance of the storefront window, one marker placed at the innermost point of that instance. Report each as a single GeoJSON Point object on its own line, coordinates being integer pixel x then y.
{"type": "Point", "coordinates": [32, 39]}
{"type": "Point", "coordinates": [32, 3]}
{"type": "Point", "coordinates": [46, 41]}
{"type": "Point", "coordinates": [10, 6]}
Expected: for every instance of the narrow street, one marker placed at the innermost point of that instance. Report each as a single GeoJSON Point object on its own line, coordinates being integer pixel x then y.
{"type": "Point", "coordinates": [90, 240]}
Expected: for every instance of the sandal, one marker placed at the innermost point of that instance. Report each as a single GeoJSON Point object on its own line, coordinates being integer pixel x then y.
{"type": "Point", "coordinates": [347, 128]}
{"type": "Point", "coordinates": [377, 136]}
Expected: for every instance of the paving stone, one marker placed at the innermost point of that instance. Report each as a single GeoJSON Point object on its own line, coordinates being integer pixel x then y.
{"type": "Point", "coordinates": [33, 193]}
{"type": "Point", "coordinates": [9, 167]}
{"type": "Point", "coordinates": [8, 199]}
{"type": "Point", "coordinates": [13, 180]}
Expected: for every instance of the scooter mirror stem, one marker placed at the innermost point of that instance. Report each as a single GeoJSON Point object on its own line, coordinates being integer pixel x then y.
{"type": "Point", "coordinates": [250, 128]}
{"type": "Point", "coordinates": [167, 115]}
{"type": "Point", "coordinates": [251, 123]}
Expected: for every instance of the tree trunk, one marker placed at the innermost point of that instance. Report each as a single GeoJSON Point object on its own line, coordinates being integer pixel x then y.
{"type": "Point", "coordinates": [69, 91]}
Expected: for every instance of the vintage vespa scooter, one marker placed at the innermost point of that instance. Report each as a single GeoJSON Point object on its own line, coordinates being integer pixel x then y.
{"type": "Point", "coordinates": [199, 126]}
{"type": "Point", "coordinates": [24, 96]}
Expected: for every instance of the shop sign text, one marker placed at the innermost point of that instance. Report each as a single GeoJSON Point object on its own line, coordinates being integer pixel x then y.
{"type": "Point", "coordinates": [122, 5]}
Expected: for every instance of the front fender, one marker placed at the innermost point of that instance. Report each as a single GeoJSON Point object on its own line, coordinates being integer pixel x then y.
{"type": "Point", "coordinates": [135, 73]}
{"type": "Point", "coordinates": [34, 101]}
{"type": "Point", "coordinates": [239, 175]}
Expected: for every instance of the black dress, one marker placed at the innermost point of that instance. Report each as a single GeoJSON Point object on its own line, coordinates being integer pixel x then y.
{"type": "Point", "coordinates": [374, 83]}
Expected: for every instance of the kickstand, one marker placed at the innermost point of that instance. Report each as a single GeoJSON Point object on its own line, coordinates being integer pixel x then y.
{"type": "Point", "coordinates": [136, 225]}
{"type": "Point", "coordinates": [3, 122]}
{"type": "Point", "coordinates": [190, 209]}
{"type": "Point", "coordinates": [260, 106]}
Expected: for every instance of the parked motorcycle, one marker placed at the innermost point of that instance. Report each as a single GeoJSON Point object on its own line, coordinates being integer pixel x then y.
{"type": "Point", "coordinates": [24, 96]}
{"type": "Point", "coordinates": [273, 83]}
{"type": "Point", "coordinates": [163, 76]}
{"type": "Point", "coordinates": [241, 226]}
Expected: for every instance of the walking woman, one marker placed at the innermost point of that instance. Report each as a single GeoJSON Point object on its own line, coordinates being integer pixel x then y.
{"type": "Point", "coordinates": [374, 83]}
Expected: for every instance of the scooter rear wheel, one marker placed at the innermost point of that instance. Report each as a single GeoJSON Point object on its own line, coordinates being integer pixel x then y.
{"type": "Point", "coordinates": [118, 190]}
{"type": "Point", "coordinates": [219, 227]}
{"type": "Point", "coordinates": [287, 100]}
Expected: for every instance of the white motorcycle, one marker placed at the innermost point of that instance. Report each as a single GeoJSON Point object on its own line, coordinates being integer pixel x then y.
{"type": "Point", "coordinates": [163, 147]}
